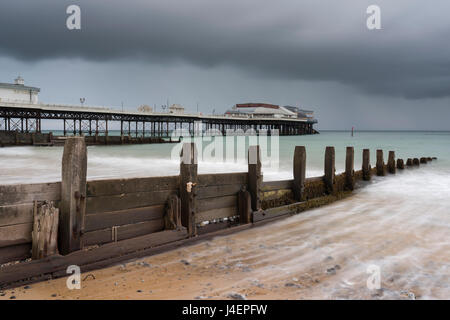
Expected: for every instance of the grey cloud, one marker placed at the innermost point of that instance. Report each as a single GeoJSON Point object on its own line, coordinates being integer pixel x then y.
{"type": "Point", "coordinates": [300, 40]}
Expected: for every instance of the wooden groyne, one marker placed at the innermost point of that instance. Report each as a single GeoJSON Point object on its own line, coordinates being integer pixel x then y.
{"type": "Point", "coordinates": [103, 222]}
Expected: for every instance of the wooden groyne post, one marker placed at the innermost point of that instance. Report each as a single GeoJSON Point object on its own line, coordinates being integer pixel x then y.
{"type": "Point", "coordinates": [400, 164]}
{"type": "Point", "coordinates": [73, 195]}
{"type": "Point", "coordinates": [188, 183]}
{"type": "Point", "coordinates": [329, 177]}
{"type": "Point", "coordinates": [366, 169]}
{"type": "Point", "coordinates": [254, 176]}
{"type": "Point", "coordinates": [350, 168]}
{"type": "Point", "coordinates": [299, 173]}
{"type": "Point", "coordinates": [391, 162]}
{"type": "Point", "coordinates": [381, 171]}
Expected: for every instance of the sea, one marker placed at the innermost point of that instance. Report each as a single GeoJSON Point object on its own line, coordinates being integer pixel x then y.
{"type": "Point", "coordinates": [398, 225]}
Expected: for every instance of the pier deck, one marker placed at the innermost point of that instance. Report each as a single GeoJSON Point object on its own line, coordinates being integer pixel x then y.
{"type": "Point", "coordinates": [88, 121]}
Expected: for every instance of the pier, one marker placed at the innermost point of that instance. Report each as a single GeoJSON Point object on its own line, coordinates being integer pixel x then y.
{"type": "Point", "coordinates": [103, 222]}
{"type": "Point", "coordinates": [134, 127]}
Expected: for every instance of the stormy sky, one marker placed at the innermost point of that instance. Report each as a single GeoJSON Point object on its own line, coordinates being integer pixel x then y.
{"type": "Point", "coordinates": [215, 53]}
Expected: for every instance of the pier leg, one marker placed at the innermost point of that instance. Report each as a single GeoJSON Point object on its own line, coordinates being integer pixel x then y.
{"type": "Point", "coordinates": [349, 169]}
{"type": "Point", "coordinates": [73, 195]}
{"type": "Point", "coordinates": [188, 182]}
{"type": "Point", "coordinates": [391, 162]}
{"type": "Point", "coordinates": [329, 170]}
{"type": "Point", "coordinates": [254, 176]}
{"type": "Point", "coordinates": [380, 163]}
{"type": "Point", "coordinates": [299, 173]}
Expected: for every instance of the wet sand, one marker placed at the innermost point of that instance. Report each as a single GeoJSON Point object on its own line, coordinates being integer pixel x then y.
{"type": "Point", "coordinates": [320, 254]}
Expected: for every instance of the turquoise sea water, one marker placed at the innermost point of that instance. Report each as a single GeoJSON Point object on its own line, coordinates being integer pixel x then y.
{"type": "Point", "coordinates": [36, 164]}
{"type": "Point", "coordinates": [399, 223]}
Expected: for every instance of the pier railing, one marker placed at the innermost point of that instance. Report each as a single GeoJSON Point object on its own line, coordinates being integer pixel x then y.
{"type": "Point", "coordinates": [96, 223]}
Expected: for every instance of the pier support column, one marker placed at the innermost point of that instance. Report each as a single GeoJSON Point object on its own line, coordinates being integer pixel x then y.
{"type": "Point", "coordinates": [349, 169]}
{"type": "Point", "coordinates": [366, 168]}
{"type": "Point", "coordinates": [188, 182]}
{"type": "Point", "coordinates": [73, 195]}
{"type": "Point", "coordinates": [254, 176]}
{"type": "Point", "coordinates": [329, 170]}
{"type": "Point", "coordinates": [391, 162]}
{"type": "Point", "coordinates": [380, 163]}
{"type": "Point", "coordinates": [299, 173]}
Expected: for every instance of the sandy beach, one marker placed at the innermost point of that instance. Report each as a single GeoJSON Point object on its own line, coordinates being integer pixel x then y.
{"type": "Point", "coordinates": [320, 254]}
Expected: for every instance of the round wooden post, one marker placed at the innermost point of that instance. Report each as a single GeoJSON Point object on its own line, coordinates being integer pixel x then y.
{"type": "Point", "coordinates": [299, 172]}
{"type": "Point", "coordinates": [366, 169]}
{"type": "Point", "coordinates": [254, 176]}
{"type": "Point", "coordinates": [391, 162]}
{"type": "Point", "coordinates": [73, 195]}
{"type": "Point", "coordinates": [350, 169]}
{"type": "Point", "coordinates": [188, 182]}
{"type": "Point", "coordinates": [380, 163]}
{"type": "Point", "coordinates": [416, 162]}
{"type": "Point", "coordinates": [329, 170]}
{"type": "Point", "coordinates": [409, 162]}
{"type": "Point", "coordinates": [400, 164]}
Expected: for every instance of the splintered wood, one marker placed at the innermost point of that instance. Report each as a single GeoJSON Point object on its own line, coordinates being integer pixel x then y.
{"type": "Point", "coordinates": [45, 230]}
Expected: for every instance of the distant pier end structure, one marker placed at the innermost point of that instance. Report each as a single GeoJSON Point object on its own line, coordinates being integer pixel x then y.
{"type": "Point", "coordinates": [21, 113]}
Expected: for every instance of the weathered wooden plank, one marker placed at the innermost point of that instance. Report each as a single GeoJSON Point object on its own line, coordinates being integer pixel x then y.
{"type": "Point", "coordinates": [45, 230]}
{"type": "Point", "coordinates": [216, 214]}
{"type": "Point", "coordinates": [216, 203]}
{"type": "Point", "coordinates": [276, 185]}
{"type": "Point", "coordinates": [26, 193]}
{"type": "Point", "coordinates": [16, 214]}
{"type": "Point", "coordinates": [133, 185]}
{"type": "Point", "coordinates": [104, 220]}
{"type": "Point", "coordinates": [222, 178]}
{"type": "Point", "coordinates": [53, 264]}
{"type": "Point", "coordinates": [15, 234]}
{"type": "Point", "coordinates": [172, 213]}
{"type": "Point", "coordinates": [126, 201]}
{"type": "Point", "coordinates": [213, 227]}
{"type": "Point", "coordinates": [123, 232]}
{"type": "Point", "coordinates": [15, 253]}
{"type": "Point", "coordinates": [218, 191]}
{"type": "Point", "coordinates": [270, 213]}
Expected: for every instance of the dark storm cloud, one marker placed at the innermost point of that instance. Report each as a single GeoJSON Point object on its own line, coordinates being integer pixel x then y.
{"type": "Point", "coordinates": [308, 40]}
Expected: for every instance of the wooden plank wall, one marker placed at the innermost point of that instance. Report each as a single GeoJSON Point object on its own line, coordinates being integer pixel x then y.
{"type": "Point", "coordinates": [16, 217]}
{"type": "Point", "coordinates": [126, 208]}
{"type": "Point", "coordinates": [217, 198]}
{"type": "Point", "coordinates": [279, 193]}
